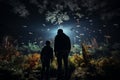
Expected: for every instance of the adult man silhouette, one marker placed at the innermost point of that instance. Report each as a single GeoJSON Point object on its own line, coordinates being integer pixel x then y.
{"type": "Point", "coordinates": [62, 46]}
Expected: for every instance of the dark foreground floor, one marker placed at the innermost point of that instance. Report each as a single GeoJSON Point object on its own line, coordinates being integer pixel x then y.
{"type": "Point", "coordinates": [8, 75]}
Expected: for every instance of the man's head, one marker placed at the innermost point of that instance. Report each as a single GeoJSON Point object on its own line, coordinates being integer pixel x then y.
{"type": "Point", "coordinates": [47, 43]}
{"type": "Point", "coordinates": [60, 31]}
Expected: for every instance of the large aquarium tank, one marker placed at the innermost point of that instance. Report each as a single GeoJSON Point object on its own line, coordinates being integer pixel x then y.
{"type": "Point", "coordinates": [93, 27]}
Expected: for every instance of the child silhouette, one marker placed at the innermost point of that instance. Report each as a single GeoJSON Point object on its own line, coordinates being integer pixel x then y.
{"type": "Point", "coordinates": [46, 58]}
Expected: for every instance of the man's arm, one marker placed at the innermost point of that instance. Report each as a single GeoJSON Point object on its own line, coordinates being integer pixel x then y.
{"type": "Point", "coordinates": [55, 46]}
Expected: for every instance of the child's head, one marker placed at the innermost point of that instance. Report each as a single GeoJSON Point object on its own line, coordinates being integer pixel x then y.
{"type": "Point", "coordinates": [47, 43]}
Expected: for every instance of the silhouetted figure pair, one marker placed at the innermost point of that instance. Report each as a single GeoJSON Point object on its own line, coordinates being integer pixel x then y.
{"type": "Point", "coordinates": [46, 58]}
{"type": "Point", "coordinates": [62, 46]}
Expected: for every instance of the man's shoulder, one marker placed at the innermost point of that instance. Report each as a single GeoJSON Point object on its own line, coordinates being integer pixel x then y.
{"type": "Point", "coordinates": [66, 36]}
{"type": "Point", "coordinates": [43, 47]}
{"type": "Point", "coordinates": [56, 36]}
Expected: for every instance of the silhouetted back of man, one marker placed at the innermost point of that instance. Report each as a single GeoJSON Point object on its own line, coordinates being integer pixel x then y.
{"type": "Point", "coordinates": [62, 46]}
